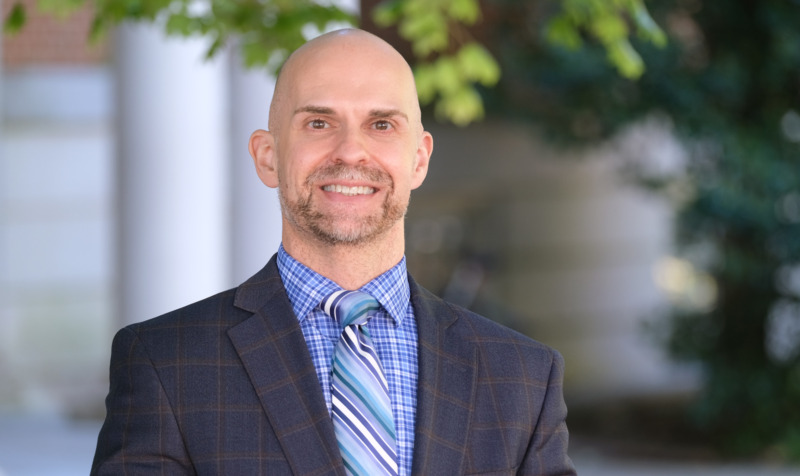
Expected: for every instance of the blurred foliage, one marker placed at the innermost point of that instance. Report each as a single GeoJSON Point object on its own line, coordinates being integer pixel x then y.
{"type": "Point", "coordinates": [450, 64]}
{"type": "Point", "coordinates": [729, 83]}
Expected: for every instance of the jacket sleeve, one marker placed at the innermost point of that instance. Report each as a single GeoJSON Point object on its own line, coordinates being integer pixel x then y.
{"type": "Point", "coordinates": [140, 434]}
{"type": "Point", "coordinates": [547, 452]}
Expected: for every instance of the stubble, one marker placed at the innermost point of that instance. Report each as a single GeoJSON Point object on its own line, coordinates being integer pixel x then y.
{"type": "Point", "coordinates": [342, 228]}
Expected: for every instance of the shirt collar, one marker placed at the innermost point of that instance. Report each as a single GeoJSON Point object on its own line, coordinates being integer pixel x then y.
{"type": "Point", "coordinates": [307, 288]}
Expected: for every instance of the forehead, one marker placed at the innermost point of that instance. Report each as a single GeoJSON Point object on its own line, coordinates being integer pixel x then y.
{"type": "Point", "coordinates": [350, 73]}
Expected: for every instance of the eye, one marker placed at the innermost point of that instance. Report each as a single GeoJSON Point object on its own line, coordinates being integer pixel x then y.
{"type": "Point", "coordinates": [382, 125]}
{"type": "Point", "coordinates": [317, 124]}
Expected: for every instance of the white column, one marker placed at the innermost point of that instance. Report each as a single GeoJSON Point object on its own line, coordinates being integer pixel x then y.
{"type": "Point", "coordinates": [172, 173]}
{"type": "Point", "coordinates": [255, 212]}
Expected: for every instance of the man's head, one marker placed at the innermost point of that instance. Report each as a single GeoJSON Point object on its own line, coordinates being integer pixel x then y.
{"type": "Point", "coordinates": [346, 144]}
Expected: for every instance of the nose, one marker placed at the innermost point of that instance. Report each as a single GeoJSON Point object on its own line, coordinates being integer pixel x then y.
{"type": "Point", "coordinates": [350, 146]}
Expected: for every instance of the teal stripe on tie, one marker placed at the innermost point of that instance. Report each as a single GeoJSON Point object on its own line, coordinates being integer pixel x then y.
{"type": "Point", "coordinates": [361, 409]}
{"type": "Point", "coordinates": [355, 388]}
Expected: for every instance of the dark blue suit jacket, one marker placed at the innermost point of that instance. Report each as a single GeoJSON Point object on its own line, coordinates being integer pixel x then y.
{"type": "Point", "coordinates": [226, 386]}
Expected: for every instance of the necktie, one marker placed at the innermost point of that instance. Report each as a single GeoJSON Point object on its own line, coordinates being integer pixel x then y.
{"type": "Point", "coordinates": [361, 410]}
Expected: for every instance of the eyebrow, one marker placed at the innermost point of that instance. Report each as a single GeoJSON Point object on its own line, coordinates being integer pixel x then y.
{"type": "Point", "coordinates": [314, 110]}
{"type": "Point", "coordinates": [384, 113]}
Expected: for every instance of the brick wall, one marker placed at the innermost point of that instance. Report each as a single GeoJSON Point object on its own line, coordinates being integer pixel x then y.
{"type": "Point", "coordinates": [48, 39]}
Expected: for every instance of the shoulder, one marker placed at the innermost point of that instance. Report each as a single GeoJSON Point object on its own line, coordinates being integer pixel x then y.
{"type": "Point", "coordinates": [213, 310]}
{"type": "Point", "coordinates": [491, 339]}
{"type": "Point", "coordinates": [502, 343]}
{"type": "Point", "coordinates": [199, 327]}
{"type": "Point", "coordinates": [222, 310]}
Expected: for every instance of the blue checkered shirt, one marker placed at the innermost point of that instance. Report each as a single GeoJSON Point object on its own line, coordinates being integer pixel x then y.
{"type": "Point", "coordinates": [393, 330]}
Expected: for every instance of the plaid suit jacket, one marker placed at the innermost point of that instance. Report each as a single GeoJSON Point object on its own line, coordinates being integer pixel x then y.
{"type": "Point", "coordinates": [226, 386]}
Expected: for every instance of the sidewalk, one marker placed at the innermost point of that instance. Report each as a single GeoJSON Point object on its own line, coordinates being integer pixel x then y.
{"type": "Point", "coordinates": [590, 464]}
{"type": "Point", "coordinates": [48, 446]}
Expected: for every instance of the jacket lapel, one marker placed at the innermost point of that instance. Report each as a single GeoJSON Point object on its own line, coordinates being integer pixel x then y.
{"type": "Point", "coordinates": [445, 389]}
{"type": "Point", "coordinates": [275, 356]}
{"type": "Point", "coordinates": [274, 353]}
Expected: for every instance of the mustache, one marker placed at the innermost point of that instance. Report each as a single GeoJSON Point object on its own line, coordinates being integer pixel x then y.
{"type": "Point", "coordinates": [350, 172]}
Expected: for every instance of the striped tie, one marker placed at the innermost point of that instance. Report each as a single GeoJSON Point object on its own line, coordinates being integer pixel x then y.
{"type": "Point", "coordinates": [362, 413]}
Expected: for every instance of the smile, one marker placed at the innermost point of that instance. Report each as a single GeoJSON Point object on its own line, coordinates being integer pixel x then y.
{"type": "Point", "coordinates": [350, 191]}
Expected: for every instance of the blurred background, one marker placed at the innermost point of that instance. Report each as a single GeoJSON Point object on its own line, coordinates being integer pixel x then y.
{"type": "Point", "coordinates": [648, 229]}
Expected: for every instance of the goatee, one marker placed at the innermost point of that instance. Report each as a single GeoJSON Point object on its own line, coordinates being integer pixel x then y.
{"type": "Point", "coordinates": [343, 228]}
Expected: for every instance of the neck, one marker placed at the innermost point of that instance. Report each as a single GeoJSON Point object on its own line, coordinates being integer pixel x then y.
{"type": "Point", "coordinates": [349, 266]}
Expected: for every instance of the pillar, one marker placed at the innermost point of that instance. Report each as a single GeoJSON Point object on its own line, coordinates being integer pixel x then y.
{"type": "Point", "coordinates": [173, 179]}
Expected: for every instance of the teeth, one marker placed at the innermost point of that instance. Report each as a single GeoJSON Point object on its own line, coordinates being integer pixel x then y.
{"type": "Point", "coordinates": [350, 191]}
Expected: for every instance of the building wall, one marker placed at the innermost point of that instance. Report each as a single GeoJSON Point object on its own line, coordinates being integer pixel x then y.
{"type": "Point", "coordinates": [56, 205]}
{"type": "Point", "coordinates": [126, 191]}
{"type": "Point", "coordinates": [52, 39]}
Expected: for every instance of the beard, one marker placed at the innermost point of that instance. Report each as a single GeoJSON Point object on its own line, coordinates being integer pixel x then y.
{"type": "Point", "coordinates": [343, 228]}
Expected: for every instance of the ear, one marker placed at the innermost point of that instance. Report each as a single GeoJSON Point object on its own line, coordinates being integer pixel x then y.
{"type": "Point", "coordinates": [424, 151]}
{"type": "Point", "coordinates": [262, 150]}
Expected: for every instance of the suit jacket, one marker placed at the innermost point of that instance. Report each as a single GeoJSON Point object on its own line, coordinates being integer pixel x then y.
{"type": "Point", "coordinates": [226, 386]}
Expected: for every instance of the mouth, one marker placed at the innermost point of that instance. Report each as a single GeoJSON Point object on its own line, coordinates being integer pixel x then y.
{"type": "Point", "coordinates": [349, 191]}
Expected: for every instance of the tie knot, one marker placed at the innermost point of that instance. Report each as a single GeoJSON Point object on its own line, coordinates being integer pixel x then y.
{"type": "Point", "coordinates": [350, 307]}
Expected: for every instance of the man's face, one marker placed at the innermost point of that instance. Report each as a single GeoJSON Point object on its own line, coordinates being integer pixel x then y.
{"type": "Point", "coordinates": [348, 145]}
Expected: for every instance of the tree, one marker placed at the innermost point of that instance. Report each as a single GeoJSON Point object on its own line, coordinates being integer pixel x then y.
{"type": "Point", "coordinates": [728, 82]}
{"type": "Point", "coordinates": [449, 62]}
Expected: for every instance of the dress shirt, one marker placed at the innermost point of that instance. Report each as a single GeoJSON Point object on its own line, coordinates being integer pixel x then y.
{"type": "Point", "coordinates": [393, 330]}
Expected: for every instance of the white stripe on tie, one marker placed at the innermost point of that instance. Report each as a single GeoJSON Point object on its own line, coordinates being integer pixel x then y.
{"type": "Point", "coordinates": [356, 421]}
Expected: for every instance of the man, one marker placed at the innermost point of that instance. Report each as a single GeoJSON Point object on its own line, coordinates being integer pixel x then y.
{"type": "Point", "coordinates": [243, 382]}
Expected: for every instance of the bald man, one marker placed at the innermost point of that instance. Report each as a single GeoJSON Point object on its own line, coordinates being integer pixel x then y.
{"type": "Point", "coordinates": [240, 383]}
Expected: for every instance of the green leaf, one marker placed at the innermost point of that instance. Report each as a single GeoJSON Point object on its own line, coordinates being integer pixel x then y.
{"type": "Point", "coordinates": [461, 107]}
{"type": "Point", "coordinates": [477, 64]}
{"type": "Point", "coordinates": [425, 78]}
{"type": "Point", "coordinates": [434, 42]}
{"type": "Point", "coordinates": [387, 13]}
{"type": "Point", "coordinates": [562, 31]}
{"type": "Point", "coordinates": [179, 24]}
{"type": "Point", "coordinates": [427, 33]}
{"type": "Point", "coordinates": [627, 61]}
{"type": "Point", "coordinates": [448, 75]}
{"type": "Point", "coordinates": [646, 27]}
{"type": "Point", "coordinates": [60, 8]}
{"type": "Point", "coordinates": [16, 19]}
{"type": "Point", "coordinates": [419, 8]}
{"type": "Point", "coordinates": [609, 28]}
{"type": "Point", "coordinates": [255, 53]}
{"type": "Point", "coordinates": [97, 30]}
{"type": "Point", "coordinates": [430, 30]}
{"type": "Point", "coordinates": [465, 11]}
{"type": "Point", "coordinates": [218, 43]}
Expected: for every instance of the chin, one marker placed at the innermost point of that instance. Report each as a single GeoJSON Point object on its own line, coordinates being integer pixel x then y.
{"type": "Point", "coordinates": [353, 235]}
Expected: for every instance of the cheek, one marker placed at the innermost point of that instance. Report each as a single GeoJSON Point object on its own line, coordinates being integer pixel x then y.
{"type": "Point", "coordinates": [302, 159]}
{"type": "Point", "coordinates": [407, 170]}
{"type": "Point", "coordinates": [290, 167]}
{"type": "Point", "coordinates": [395, 158]}
{"type": "Point", "coordinates": [288, 180]}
